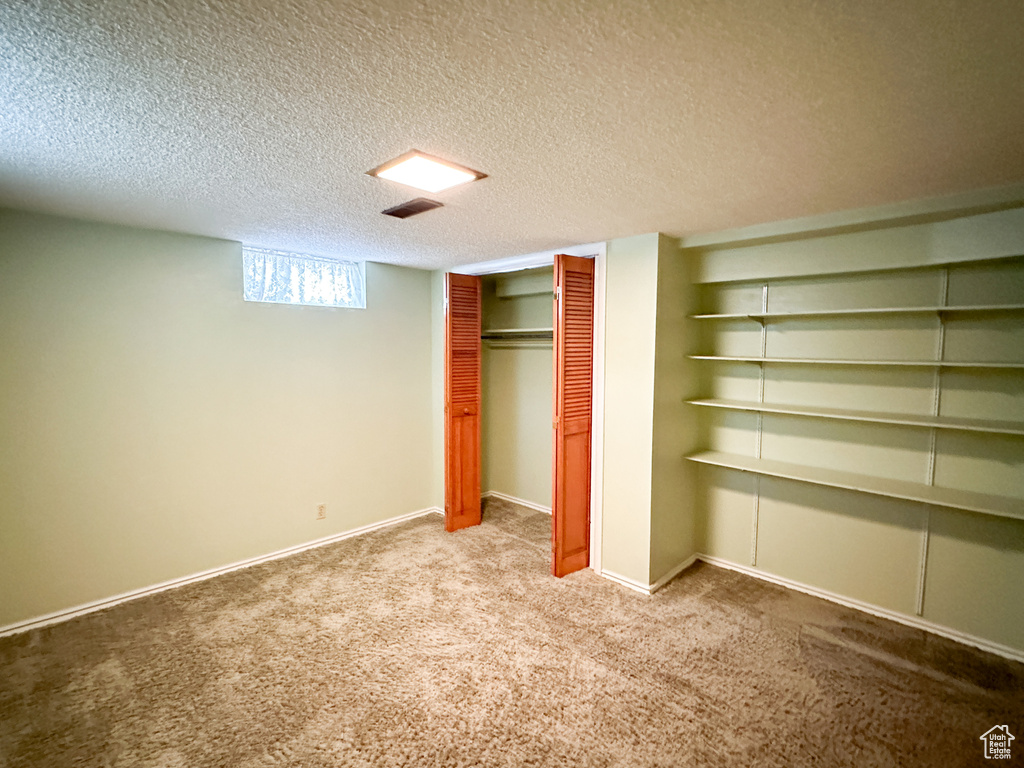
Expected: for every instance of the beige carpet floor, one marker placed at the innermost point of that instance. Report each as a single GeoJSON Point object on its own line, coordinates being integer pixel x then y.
{"type": "Point", "coordinates": [413, 647]}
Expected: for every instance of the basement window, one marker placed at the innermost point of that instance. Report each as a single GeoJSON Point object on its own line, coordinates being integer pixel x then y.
{"type": "Point", "coordinates": [294, 278]}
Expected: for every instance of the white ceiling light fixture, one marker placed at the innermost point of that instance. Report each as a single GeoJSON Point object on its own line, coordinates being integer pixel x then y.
{"type": "Point", "coordinates": [422, 171]}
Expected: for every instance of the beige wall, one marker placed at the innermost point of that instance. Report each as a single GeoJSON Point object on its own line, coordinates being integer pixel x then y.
{"type": "Point", "coordinates": [676, 425]}
{"type": "Point", "coordinates": [516, 440]}
{"type": "Point", "coordinates": [153, 424]}
{"type": "Point", "coordinates": [889, 553]}
{"type": "Point", "coordinates": [864, 246]}
{"type": "Point", "coordinates": [631, 300]}
{"type": "Point", "coordinates": [516, 425]}
{"type": "Point", "coordinates": [518, 299]}
{"type": "Point", "coordinates": [648, 517]}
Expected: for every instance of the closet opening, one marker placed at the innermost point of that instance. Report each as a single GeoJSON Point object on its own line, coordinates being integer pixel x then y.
{"type": "Point", "coordinates": [518, 393]}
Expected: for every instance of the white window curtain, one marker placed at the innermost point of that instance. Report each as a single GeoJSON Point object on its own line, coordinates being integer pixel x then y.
{"type": "Point", "coordinates": [292, 278]}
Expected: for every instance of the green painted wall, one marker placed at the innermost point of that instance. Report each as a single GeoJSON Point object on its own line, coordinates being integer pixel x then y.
{"type": "Point", "coordinates": [648, 516]}
{"type": "Point", "coordinates": [631, 300]}
{"type": "Point", "coordinates": [975, 573]}
{"type": "Point", "coordinates": [675, 425]}
{"type": "Point", "coordinates": [154, 425]}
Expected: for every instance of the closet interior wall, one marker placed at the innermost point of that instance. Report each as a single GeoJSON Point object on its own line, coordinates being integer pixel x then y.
{"type": "Point", "coordinates": [516, 439]}
{"type": "Point", "coordinates": [815, 466]}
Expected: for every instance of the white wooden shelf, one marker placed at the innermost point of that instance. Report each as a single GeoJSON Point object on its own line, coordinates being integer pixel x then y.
{"type": "Point", "coordinates": [819, 361]}
{"type": "Point", "coordinates": [876, 417]}
{"type": "Point", "coordinates": [873, 311]}
{"type": "Point", "coordinates": [508, 334]}
{"type": "Point", "coordinates": [841, 273]}
{"type": "Point", "coordinates": [971, 501]}
{"type": "Point", "coordinates": [518, 338]}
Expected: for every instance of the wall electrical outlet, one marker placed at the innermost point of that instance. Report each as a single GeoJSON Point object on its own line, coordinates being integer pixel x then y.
{"type": "Point", "coordinates": [321, 511]}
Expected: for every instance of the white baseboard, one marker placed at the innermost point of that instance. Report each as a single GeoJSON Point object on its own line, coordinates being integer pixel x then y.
{"type": "Point", "coordinates": [903, 618]}
{"type": "Point", "coordinates": [911, 621]}
{"type": "Point", "coordinates": [515, 500]}
{"type": "Point", "coordinates": [673, 573]}
{"type": "Point", "coordinates": [99, 605]}
{"type": "Point", "coordinates": [625, 581]}
{"type": "Point", "coordinates": [649, 589]}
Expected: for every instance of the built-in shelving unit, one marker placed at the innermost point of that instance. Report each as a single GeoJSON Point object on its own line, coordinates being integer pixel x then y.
{"type": "Point", "coordinates": [822, 361]}
{"type": "Point", "coordinates": [857, 402]}
{"type": "Point", "coordinates": [996, 317]}
{"type": "Point", "coordinates": [971, 501]}
{"type": "Point", "coordinates": [868, 311]}
{"type": "Point", "coordinates": [877, 417]}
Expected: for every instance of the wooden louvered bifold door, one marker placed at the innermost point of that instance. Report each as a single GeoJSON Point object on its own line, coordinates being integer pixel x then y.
{"type": "Point", "coordinates": [574, 360]}
{"type": "Point", "coordinates": [462, 365]}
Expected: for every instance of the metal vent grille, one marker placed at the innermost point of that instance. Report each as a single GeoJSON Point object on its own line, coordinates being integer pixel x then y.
{"type": "Point", "coordinates": [411, 208]}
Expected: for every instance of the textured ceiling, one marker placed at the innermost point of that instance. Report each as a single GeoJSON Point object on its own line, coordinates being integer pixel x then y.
{"type": "Point", "coordinates": [255, 120]}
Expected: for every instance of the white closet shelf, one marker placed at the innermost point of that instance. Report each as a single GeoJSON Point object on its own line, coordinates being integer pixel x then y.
{"type": "Point", "coordinates": [971, 501]}
{"type": "Point", "coordinates": [819, 361]}
{"type": "Point", "coordinates": [517, 333]}
{"type": "Point", "coordinates": [518, 338]}
{"type": "Point", "coordinates": [767, 316]}
{"type": "Point", "coordinates": [877, 417]}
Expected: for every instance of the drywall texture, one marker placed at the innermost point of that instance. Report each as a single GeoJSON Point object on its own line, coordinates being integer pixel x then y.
{"type": "Point", "coordinates": [752, 112]}
{"type": "Point", "coordinates": [153, 424]}
{"type": "Point", "coordinates": [516, 440]}
{"type": "Point", "coordinates": [958, 569]}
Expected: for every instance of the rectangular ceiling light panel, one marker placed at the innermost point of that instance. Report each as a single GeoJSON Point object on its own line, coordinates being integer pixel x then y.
{"type": "Point", "coordinates": [422, 171]}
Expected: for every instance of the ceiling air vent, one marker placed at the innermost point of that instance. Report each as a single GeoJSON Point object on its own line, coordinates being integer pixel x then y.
{"type": "Point", "coordinates": [411, 208]}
